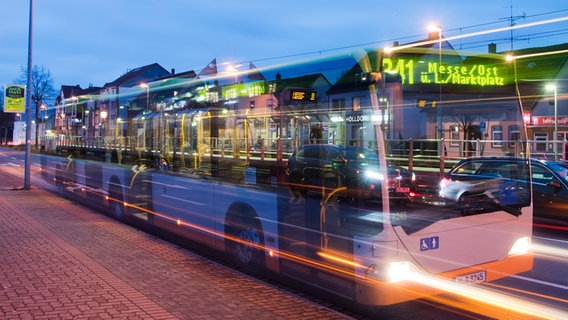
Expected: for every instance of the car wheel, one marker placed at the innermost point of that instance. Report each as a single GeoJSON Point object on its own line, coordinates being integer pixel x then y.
{"type": "Point", "coordinates": [467, 205]}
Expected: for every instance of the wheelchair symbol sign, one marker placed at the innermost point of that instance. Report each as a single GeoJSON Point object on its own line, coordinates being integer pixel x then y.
{"type": "Point", "coordinates": [431, 243]}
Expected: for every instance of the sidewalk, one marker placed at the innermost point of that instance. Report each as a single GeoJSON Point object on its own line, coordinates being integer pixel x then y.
{"type": "Point", "coordinates": [62, 261]}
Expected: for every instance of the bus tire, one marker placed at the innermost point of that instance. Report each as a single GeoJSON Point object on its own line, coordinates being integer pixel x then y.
{"type": "Point", "coordinates": [244, 239]}
{"type": "Point", "coordinates": [59, 179]}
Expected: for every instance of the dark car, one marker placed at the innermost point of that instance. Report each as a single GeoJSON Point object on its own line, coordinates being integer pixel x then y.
{"type": "Point", "coordinates": [476, 175]}
{"type": "Point", "coordinates": [356, 169]}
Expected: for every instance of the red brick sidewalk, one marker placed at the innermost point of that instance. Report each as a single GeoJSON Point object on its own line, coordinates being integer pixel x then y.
{"type": "Point", "coordinates": [61, 261]}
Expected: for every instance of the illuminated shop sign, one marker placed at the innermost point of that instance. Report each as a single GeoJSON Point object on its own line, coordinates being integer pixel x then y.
{"type": "Point", "coordinates": [357, 118]}
{"type": "Point", "coordinates": [416, 71]}
{"type": "Point", "coordinates": [302, 95]}
{"type": "Point", "coordinates": [549, 121]}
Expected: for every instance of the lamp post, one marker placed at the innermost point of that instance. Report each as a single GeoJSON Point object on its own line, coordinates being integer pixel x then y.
{"type": "Point", "coordinates": [27, 162]}
{"type": "Point", "coordinates": [102, 125]}
{"type": "Point", "coordinates": [552, 87]}
{"type": "Point", "coordinates": [147, 87]}
{"type": "Point", "coordinates": [43, 107]}
{"type": "Point", "coordinates": [74, 115]}
{"type": "Point", "coordinates": [439, 123]}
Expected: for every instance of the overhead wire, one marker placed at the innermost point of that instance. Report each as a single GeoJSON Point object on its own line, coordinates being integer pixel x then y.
{"type": "Point", "coordinates": [410, 38]}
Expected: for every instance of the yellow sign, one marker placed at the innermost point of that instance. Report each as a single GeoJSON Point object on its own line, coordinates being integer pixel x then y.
{"type": "Point", "coordinates": [15, 98]}
{"type": "Point", "coordinates": [415, 71]}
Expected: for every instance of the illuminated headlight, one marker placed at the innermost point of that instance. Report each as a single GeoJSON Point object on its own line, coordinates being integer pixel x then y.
{"type": "Point", "coordinates": [400, 271]}
{"type": "Point", "coordinates": [391, 272]}
{"type": "Point", "coordinates": [521, 246]}
{"type": "Point", "coordinates": [374, 175]}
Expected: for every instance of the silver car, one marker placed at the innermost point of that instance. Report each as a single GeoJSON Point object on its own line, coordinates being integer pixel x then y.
{"type": "Point", "coordinates": [477, 184]}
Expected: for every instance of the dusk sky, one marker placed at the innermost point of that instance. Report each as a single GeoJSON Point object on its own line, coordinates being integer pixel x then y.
{"type": "Point", "coordinates": [94, 42]}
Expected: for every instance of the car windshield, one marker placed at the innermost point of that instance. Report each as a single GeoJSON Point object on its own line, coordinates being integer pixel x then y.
{"type": "Point", "coordinates": [560, 168]}
{"type": "Point", "coordinates": [362, 156]}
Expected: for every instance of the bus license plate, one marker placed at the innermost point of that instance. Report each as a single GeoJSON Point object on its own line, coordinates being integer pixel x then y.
{"type": "Point", "coordinates": [476, 277]}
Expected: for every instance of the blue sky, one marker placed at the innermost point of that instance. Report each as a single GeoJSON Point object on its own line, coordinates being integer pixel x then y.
{"type": "Point", "coordinates": [94, 42]}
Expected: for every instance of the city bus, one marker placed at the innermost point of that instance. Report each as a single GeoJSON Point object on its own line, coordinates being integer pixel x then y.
{"type": "Point", "coordinates": [327, 170]}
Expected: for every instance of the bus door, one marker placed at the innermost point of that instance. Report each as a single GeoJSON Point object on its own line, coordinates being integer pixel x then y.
{"type": "Point", "coordinates": [317, 234]}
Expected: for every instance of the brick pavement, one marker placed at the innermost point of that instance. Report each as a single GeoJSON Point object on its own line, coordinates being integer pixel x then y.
{"type": "Point", "coordinates": [62, 261]}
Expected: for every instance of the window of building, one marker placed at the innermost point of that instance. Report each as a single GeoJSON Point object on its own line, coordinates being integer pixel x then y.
{"type": "Point", "coordinates": [356, 103]}
{"type": "Point", "coordinates": [497, 136]}
{"type": "Point", "coordinates": [514, 134]}
{"type": "Point", "coordinates": [454, 136]}
{"type": "Point", "coordinates": [338, 104]}
{"type": "Point", "coordinates": [212, 96]}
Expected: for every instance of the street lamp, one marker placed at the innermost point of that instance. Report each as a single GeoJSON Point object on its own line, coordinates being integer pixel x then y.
{"type": "Point", "coordinates": [552, 87]}
{"type": "Point", "coordinates": [439, 123]}
{"type": "Point", "coordinates": [234, 69]}
{"type": "Point", "coordinates": [44, 108]}
{"type": "Point", "coordinates": [147, 87]}
{"type": "Point", "coordinates": [104, 115]}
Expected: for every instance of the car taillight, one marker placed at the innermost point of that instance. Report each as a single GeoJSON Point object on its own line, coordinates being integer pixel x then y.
{"type": "Point", "coordinates": [444, 182]}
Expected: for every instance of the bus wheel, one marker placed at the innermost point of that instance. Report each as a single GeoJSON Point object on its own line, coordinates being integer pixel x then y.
{"type": "Point", "coordinates": [59, 179]}
{"type": "Point", "coordinates": [117, 209]}
{"type": "Point", "coordinates": [116, 200]}
{"type": "Point", "coordinates": [245, 243]}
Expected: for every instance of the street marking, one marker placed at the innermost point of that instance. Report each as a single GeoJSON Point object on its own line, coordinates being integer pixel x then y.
{"type": "Point", "coordinates": [551, 239]}
{"type": "Point", "coordinates": [546, 283]}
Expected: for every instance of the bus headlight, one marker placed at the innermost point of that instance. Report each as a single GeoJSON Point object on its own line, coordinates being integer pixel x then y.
{"type": "Point", "coordinates": [400, 271]}
{"type": "Point", "coordinates": [521, 246]}
{"type": "Point", "coordinates": [391, 272]}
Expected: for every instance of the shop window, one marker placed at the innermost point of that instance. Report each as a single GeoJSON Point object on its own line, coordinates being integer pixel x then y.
{"type": "Point", "coordinates": [497, 136]}
{"type": "Point", "coordinates": [540, 139]}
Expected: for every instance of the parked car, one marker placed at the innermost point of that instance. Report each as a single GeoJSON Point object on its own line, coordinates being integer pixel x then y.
{"type": "Point", "coordinates": [314, 166]}
{"type": "Point", "coordinates": [470, 179]}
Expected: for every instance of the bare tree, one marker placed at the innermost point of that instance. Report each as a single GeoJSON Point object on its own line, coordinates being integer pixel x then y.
{"type": "Point", "coordinates": [465, 123]}
{"type": "Point", "coordinates": [43, 91]}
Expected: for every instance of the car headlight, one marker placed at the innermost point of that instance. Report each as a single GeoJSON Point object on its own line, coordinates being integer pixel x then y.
{"type": "Point", "coordinates": [374, 175]}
